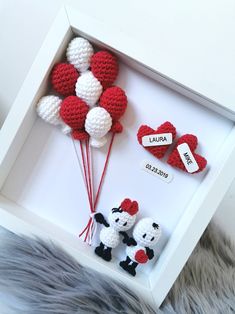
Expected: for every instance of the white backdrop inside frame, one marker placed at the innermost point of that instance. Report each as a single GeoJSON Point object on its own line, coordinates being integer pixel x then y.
{"type": "Point", "coordinates": [46, 177]}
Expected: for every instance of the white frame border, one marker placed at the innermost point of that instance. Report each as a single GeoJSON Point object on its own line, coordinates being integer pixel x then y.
{"type": "Point", "coordinates": [19, 123]}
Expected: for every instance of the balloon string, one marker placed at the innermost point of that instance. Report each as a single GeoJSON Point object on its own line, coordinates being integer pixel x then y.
{"type": "Point", "coordinates": [86, 175]}
{"type": "Point", "coordinates": [89, 225]}
{"type": "Point", "coordinates": [104, 172]}
{"type": "Point", "coordinates": [88, 160]}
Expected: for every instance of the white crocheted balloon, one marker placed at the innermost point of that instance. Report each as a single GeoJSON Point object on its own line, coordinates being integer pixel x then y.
{"type": "Point", "coordinates": [79, 53]}
{"type": "Point", "coordinates": [48, 109]}
{"type": "Point", "coordinates": [88, 88]}
{"type": "Point", "coordinates": [98, 123]}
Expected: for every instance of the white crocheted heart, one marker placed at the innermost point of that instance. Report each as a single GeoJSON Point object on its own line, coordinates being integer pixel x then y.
{"type": "Point", "coordinates": [79, 53]}
{"type": "Point", "coordinates": [88, 88]}
{"type": "Point", "coordinates": [98, 123]}
{"type": "Point", "coordinates": [48, 109]}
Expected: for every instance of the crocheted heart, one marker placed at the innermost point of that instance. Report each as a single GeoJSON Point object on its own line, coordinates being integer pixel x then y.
{"type": "Point", "coordinates": [141, 257]}
{"type": "Point", "coordinates": [157, 151]}
{"type": "Point", "coordinates": [175, 160]}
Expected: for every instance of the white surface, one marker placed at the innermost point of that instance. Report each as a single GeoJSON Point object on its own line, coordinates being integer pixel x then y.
{"type": "Point", "coordinates": [46, 177]}
{"type": "Point", "coordinates": [21, 24]}
{"type": "Point", "coordinates": [25, 61]}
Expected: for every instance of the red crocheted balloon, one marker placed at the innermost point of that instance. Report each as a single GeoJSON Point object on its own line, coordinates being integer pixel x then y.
{"type": "Point", "coordinates": [174, 159]}
{"type": "Point", "coordinates": [63, 78]}
{"type": "Point", "coordinates": [73, 112]}
{"type": "Point", "coordinates": [114, 100]}
{"type": "Point", "coordinates": [157, 151]}
{"type": "Point", "coordinates": [104, 67]}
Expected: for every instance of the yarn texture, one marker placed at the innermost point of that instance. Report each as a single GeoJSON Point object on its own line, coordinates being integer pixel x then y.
{"type": "Point", "coordinates": [63, 78]}
{"type": "Point", "coordinates": [174, 159]}
{"type": "Point", "coordinates": [73, 112]}
{"type": "Point", "coordinates": [157, 151]}
{"type": "Point", "coordinates": [146, 234]}
{"type": "Point", "coordinates": [79, 53]}
{"type": "Point", "coordinates": [120, 220]}
{"type": "Point", "coordinates": [114, 100]}
{"type": "Point", "coordinates": [88, 88]}
{"type": "Point", "coordinates": [98, 123]}
{"type": "Point", "coordinates": [104, 66]}
{"type": "Point", "coordinates": [48, 109]}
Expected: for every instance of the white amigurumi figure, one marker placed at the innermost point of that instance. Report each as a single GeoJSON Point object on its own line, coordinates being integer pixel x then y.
{"type": "Point", "coordinates": [88, 88]}
{"type": "Point", "coordinates": [119, 220]}
{"type": "Point", "coordinates": [146, 233]}
{"type": "Point", "coordinates": [48, 109]}
{"type": "Point", "coordinates": [98, 123]}
{"type": "Point", "coordinates": [79, 53]}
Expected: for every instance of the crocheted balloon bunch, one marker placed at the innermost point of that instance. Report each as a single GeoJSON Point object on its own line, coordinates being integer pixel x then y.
{"type": "Point", "coordinates": [91, 105]}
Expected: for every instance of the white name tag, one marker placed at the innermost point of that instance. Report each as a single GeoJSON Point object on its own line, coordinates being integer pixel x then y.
{"type": "Point", "coordinates": [157, 139]}
{"type": "Point", "coordinates": [187, 158]}
{"type": "Point", "coordinates": [157, 171]}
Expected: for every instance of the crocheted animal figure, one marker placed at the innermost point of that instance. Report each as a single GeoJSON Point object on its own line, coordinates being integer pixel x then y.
{"type": "Point", "coordinates": [146, 234]}
{"type": "Point", "coordinates": [119, 220]}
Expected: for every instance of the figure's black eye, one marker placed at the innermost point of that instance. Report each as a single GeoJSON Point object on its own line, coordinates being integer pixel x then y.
{"type": "Point", "coordinates": [144, 235]}
{"type": "Point", "coordinates": [125, 223]}
{"type": "Point", "coordinates": [152, 239]}
{"type": "Point", "coordinates": [117, 220]}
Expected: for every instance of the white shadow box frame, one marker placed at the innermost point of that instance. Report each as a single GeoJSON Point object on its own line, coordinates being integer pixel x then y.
{"type": "Point", "coordinates": [21, 125]}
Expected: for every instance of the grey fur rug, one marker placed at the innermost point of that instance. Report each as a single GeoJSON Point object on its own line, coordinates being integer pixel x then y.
{"type": "Point", "coordinates": [40, 278]}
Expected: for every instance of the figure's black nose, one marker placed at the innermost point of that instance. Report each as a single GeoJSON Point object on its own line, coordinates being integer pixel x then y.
{"type": "Point", "coordinates": [155, 226]}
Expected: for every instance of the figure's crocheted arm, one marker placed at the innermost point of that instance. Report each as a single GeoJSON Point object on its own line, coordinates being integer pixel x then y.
{"type": "Point", "coordinates": [101, 220]}
{"type": "Point", "coordinates": [150, 253]}
{"type": "Point", "coordinates": [129, 241]}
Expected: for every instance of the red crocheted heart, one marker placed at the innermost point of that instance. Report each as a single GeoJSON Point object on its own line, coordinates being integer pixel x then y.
{"type": "Point", "coordinates": [157, 151]}
{"type": "Point", "coordinates": [104, 67]}
{"type": "Point", "coordinates": [63, 78]}
{"type": "Point", "coordinates": [73, 112]}
{"type": "Point", "coordinates": [141, 257]}
{"type": "Point", "coordinates": [175, 160]}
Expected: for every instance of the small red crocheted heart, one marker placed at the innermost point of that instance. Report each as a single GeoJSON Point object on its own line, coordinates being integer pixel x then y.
{"type": "Point", "coordinates": [174, 159]}
{"type": "Point", "coordinates": [73, 111]}
{"type": "Point", "coordinates": [114, 100]}
{"type": "Point", "coordinates": [104, 67]}
{"type": "Point", "coordinates": [157, 151]}
{"type": "Point", "coordinates": [141, 257]}
{"type": "Point", "coordinates": [63, 78]}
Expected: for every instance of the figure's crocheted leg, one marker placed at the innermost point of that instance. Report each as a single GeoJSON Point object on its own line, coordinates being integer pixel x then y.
{"type": "Point", "coordinates": [104, 252]}
{"type": "Point", "coordinates": [129, 266]}
{"type": "Point", "coordinates": [107, 256]}
{"type": "Point", "coordinates": [99, 250]}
